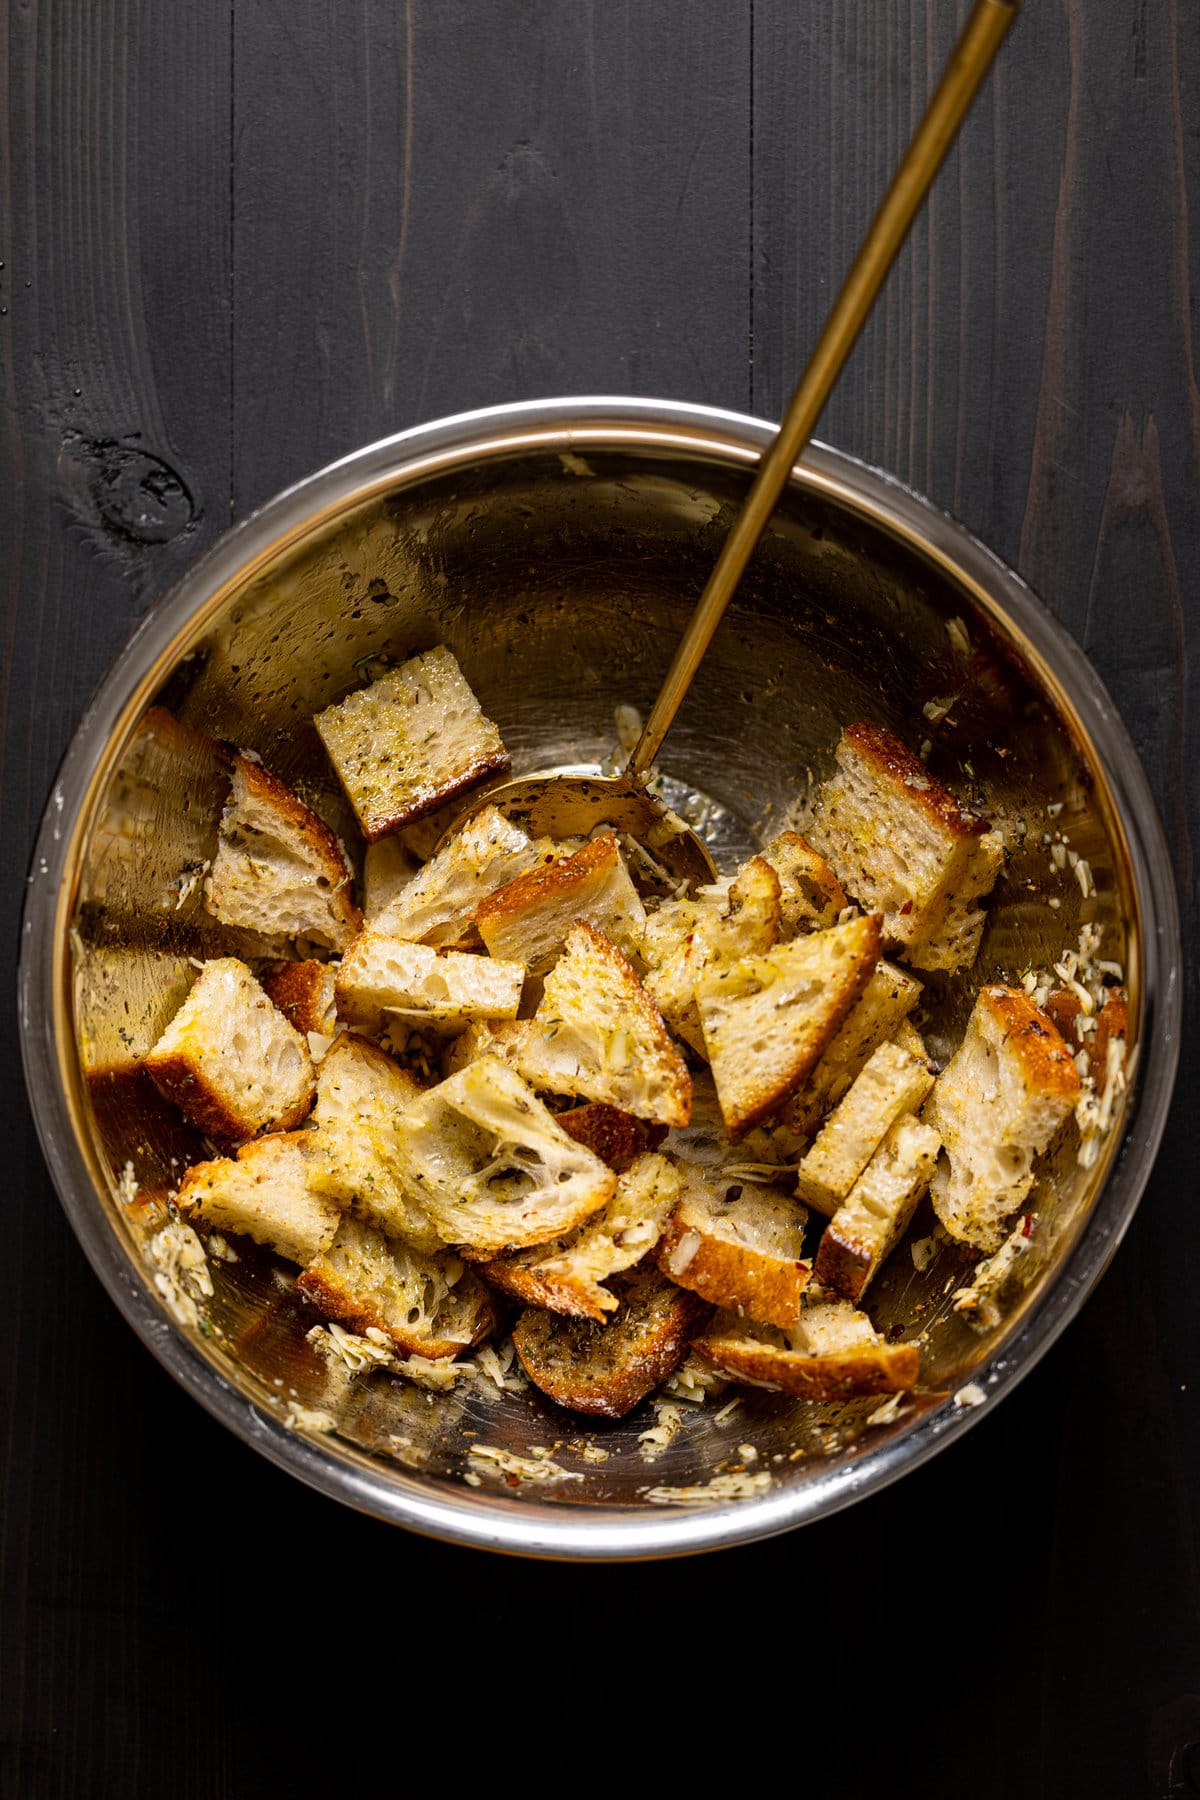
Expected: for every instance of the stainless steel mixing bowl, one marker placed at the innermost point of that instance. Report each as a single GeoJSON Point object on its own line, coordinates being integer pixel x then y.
{"type": "Point", "coordinates": [558, 548]}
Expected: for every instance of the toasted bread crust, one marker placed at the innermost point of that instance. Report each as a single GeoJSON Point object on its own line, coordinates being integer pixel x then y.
{"type": "Point", "coordinates": [1046, 1064]}
{"type": "Point", "coordinates": [853, 959]}
{"type": "Point", "coordinates": [837, 1375]}
{"type": "Point", "coordinates": [303, 992]}
{"type": "Point", "coordinates": [546, 883]}
{"type": "Point", "coordinates": [893, 761]}
{"type": "Point", "coordinates": [497, 763]}
{"type": "Point", "coordinates": [314, 836]}
{"type": "Point", "coordinates": [336, 1301]}
{"type": "Point", "coordinates": [177, 1078]}
{"type": "Point", "coordinates": [734, 1275]}
{"type": "Point", "coordinates": [607, 1369]}
{"type": "Point", "coordinates": [614, 1136]}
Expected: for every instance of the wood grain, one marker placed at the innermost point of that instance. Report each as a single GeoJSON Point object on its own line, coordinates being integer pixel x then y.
{"type": "Point", "coordinates": [239, 240]}
{"type": "Point", "coordinates": [488, 204]}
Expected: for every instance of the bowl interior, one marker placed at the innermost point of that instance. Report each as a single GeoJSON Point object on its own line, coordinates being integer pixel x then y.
{"type": "Point", "coordinates": [561, 578]}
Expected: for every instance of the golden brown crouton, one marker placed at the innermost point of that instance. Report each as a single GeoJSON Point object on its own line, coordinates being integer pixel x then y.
{"type": "Point", "coordinates": [409, 742]}
{"type": "Point", "coordinates": [996, 1106]}
{"type": "Point", "coordinates": [279, 869]}
{"type": "Point", "coordinates": [527, 920]}
{"type": "Point", "coordinates": [606, 1369]}
{"type": "Point", "coordinates": [597, 1033]}
{"type": "Point", "coordinates": [491, 1166]}
{"type": "Point", "coordinates": [811, 897]}
{"type": "Point", "coordinates": [428, 1306]}
{"type": "Point", "coordinates": [230, 1060]}
{"type": "Point", "coordinates": [438, 904]}
{"type": "Point", "coordinates": [381, 976]}
{"type": "Point", "coordinates": [875, 1213]}
{"type": "Point", "coordinates": [303, 992]}
{"type": "Point", "coordinates": [891, 1082]}
{"type": "Point", "coordinates": [768, 1019]}
{"type": "Point", "coordinates": [263, 1193]}
{"type": "Point", "coordinates": [902, 845]}
{"type": "Point", "coordinates": [832, 1353]}
{"type": "Point", "coordinates": [738, 1245]}
{"type": "Point", "coordinates": [569, 1275]}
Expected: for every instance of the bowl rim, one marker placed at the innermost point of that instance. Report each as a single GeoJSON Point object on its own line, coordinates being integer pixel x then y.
{"type": "Point", "coordinates": [439, 1507]}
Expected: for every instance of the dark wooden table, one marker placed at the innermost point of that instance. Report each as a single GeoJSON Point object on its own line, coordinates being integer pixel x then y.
{"type": "Point", "coordinates": [241, 239]}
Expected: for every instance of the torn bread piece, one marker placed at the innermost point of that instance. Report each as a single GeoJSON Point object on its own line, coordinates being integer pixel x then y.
{"type": "Point", "coordinates": [438, 905]}
{"type": "Point", "coordinates": [263, 1193]}
{"type": "Point", "coordinates": [278, 868]}
{"type": "Point", "coordinates": [831, 1353]}
{"type": "Point", "coordinates": [811, 898]}
{"type": "Point", "coordinates": [996, 1106]}
{"type": "Point", "coordinates": [388, 867]}
{"type": "Point", "coordinates": [597, 1033]}
{"type": "Point", "coordinates": [304, 994]}
{"type": "Point", "coordinates": [568, 1276]}
{"type": "Point", "coordinates": [876, 1212]}
{"type": "Point", "coordinates": [891, 1082]}
{"type": "Point", "coordinates": [890, 994]}
{"type": "Point", "coordinates": [409, 742]}
{"type": "Point", "coordinates": [528, 919]}
{"type": "Point", "coordinates": [354, 1157]}
{"type": "Point", "coordinates": [491, 1166]}
{"type": "Point", "coordinates": [428, 1306]}
{"type": "Point", "coordinates": [614, 1136]}
{"type": "Point", "coordinates": [738, 1245]}
{"type": "Point", "coordinates": [230, 1060]}
{"type": "Point", "coordinates": [382, 976]}
{"type": "Point", "coordinates": [768, 1019]}
{"type": "Point", "coordinates": [903, 845]}
{"type": "Point", "coordinates": [484, 1037]}
{"type": "Point", "coordinates": [745, 921]}
{"type": "Point", "coordinates": [606, 1369]}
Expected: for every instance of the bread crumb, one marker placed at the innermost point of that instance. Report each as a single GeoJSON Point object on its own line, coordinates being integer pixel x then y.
{"type": "Point", "coordinates": [309, 1418]}
{"type": "Point", "coordinates": [970, 1395]}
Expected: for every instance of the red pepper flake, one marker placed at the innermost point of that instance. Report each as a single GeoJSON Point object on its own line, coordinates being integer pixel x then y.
{"type": "Point", "coordinates": [906, 909]}
{"type": "Point", "coordinates": [1027, 1226]}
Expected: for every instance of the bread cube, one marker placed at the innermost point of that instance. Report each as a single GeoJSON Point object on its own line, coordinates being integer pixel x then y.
{"type": "Point", "coordinates": [891, 1082]}
{"type": "Point", "coordinates": [890, 994]}
{"type": "Point", "coordinates": [606, 1369]}
{"type": "Point", "coordinates": [811, 897]}
{"type": "Point", "coordinates": [996, 1106]}
{"type": "Point", "coordinates": [304, 994]}
{"type": "Point", "coordinates": [263, 1193]}
{"type": "Point", "coordinates": [492, 1168]}
{"type": "Point", "coordinates": [528, 919]}
{"type": "Point", "coordinates": [355, 1152]}
{"type": "Point", "coordinates": [230, 1060]}
{"type": "Point", "coordinates": [738, 1245]}
{"type": "Point", "coordinates": [568, 1276]}
{"type": "Point", "coordinates": [380, 976]}
{"type": "Point", "coordinates": [768, 1019]}
{"type": "Point", "coordinates": [597, 1033]}
{"type": "Point", "coordinates": [278, 868]}
{"type": "Point", "coordinates": [428, 1306]}
{"type": "Point", "coordinates": [876, 1212]}
{"type": "Point", "coordinates": [902, 845]}
{"type": "Point", "coordinates": [438, 904]}
{"type": "Point", "coordinates": [388, 867]}
{"type": "Point", "coordinates": [410, 742]}
{"type": "Point", "coordinates": [831, 1353]}
{"type": "Point", "coordinates": [745, 921]}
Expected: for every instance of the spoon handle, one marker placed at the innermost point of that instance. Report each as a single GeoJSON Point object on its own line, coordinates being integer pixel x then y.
{"type": "Point", "coordinates": [963, 75]}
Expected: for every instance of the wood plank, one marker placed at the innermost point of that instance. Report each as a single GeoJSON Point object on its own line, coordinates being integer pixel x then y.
{"type": "Point", "coordinates": [448, 205]}
{"type": "Point", "coordinates": [114, 442]}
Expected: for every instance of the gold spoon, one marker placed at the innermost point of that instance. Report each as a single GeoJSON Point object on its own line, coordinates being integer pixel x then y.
{"type": "Point", "coordinates": [567, 802]}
